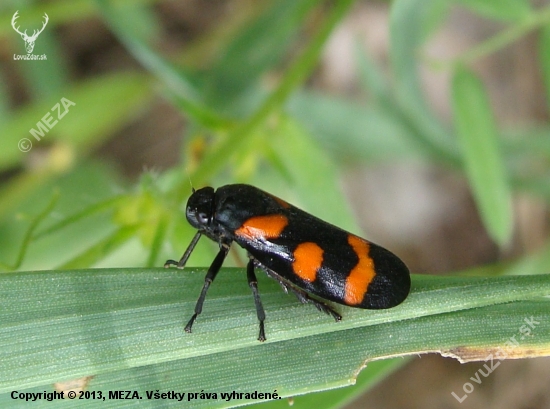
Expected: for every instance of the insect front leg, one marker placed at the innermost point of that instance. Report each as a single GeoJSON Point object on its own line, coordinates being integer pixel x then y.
{"type": "Point", "coordinates": [253, 283]}
{"type": "Point", "coordinates": [183, 259]}
{"type": "Point", "coordinates": [210, 276]}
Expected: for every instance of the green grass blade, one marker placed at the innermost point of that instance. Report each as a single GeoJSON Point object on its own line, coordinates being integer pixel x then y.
{"type": "Point", "coordinates": [107, 102]}
{"type": "Point", "coordinates": [58, 325]}
{"type": "Point", "coordinates": [100, 250]}
{"type": "Point", "coordinates": [259, 46]}
{"type": "Point", "coordinates": [176, 81]}
{"type": "Point", "coordinates": [499, 9]}
{"type": "Point", "coordinates": [410, 21]}
{"type": "Point", "coordinates": [311, 171]}
{"type": "Point", "coordinates": [481, 154]}
{"type": "Point", "coordinates": [352, 132]}
{"type": "Point", "coordinates": [30, 233]}
{"type": "Point", "coordinates": [215, 158]}
{"type": "Point", "coordinates": [337, 398]}
{"type": "Point", "coordinates": [544, 57]}
{"type": "Point", "coordinates": [327, 361]}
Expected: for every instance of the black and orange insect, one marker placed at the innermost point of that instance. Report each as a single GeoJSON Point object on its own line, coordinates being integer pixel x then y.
{"type": "Point", "coordinates": [304, 254]}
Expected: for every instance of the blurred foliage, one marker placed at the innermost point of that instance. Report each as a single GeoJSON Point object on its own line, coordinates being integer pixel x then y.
{"type": "Point", "coordinates": [61, 208]}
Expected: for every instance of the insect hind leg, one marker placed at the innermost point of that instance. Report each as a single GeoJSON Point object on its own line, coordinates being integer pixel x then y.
{"type": "Point", "coordinates": [253, 283]}
{"type": "Point", "coordinates": [302, 296]}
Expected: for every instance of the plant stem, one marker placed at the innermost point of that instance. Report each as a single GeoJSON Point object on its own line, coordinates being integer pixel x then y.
{"type": "Point", "coordinates": [534, 20]}
{"type": "Point", "coordinates": [296, 74]}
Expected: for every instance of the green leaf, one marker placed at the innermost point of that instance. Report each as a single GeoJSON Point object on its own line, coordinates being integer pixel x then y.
{"type": "Point", "coordinates": [483, 163]}
{"type": "Point", "coordinates": [107, 102]}
{"type": "Point", "coordinates": [258, 47]}
{"type": "Point", "coordinates": [179, 85]}
{"type": "Point", "coordinates": [124, 327]}
{"type": "Point", "coordinates": [337, 398]}
{"type": "Point", "coordinates": [499, 9]}
{"type": "Point", "coordinates": [81, 217]}
{"type": "Point", "coordinates": [352, 132]}
{"type": "Point", "coordinates": [372, 78]}
{"type": "Point", "coordinates": [312, 173]}
{"type": "Point", "coordinates": [216, 156]}
{"type": "Point", "coordinates": [544, 57]}
{"type": "Point", "coordinates": [100, 250]}
{"type": "Point", "coordinates": [410, 24]}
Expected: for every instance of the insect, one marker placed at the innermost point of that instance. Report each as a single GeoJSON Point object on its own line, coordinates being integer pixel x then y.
{"type": "Point", "coordinates": [306, 255]}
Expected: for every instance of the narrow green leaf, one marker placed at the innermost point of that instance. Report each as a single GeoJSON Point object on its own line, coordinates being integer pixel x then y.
{"type": "Point", "coordinates": [215, 158]}
{"type": "Point", "coordinates": [311, 171]}
{"type": "Point", "coordinates": [352, 132]}
{"type": "Point", "coordinates": [30, 232]}
{"type": "Point", "coordinates": [513, 33]}
{"type": "Point", "coordinates": [258, 47]}
{"type": "Point", "coordinates": [95, 208]}
{"type": "Point", "coordinates": [410, 135]}
{"type": "Point", "coordinates": [59, 11]}
{"type": "Point", "coordinates": [74, 297]}
{"type": "Point", "coordinates": [124, 327]}
{"type": "Point", "coordinates": [483, 163]}
{"type": "Point", "coordinates": [176, 81]}
{"type": "Point", "coordinates": [158, 240]}
{"type": "Point", "coordinates": [499, 9]}
{"type": "Point", "coordinates": [27, 196]}
{"type": "Point", "coordinates": [374, 372]}
{"type": "Point", "coordinates": [374, 81]}
{"type": "Point", "coordinates": [107, 102]}
{"type": "Point", "coordinates": [272, 367]}
{"type": "Point", "coordinates": [100, 250]}
{"type": "Point", "coordinates": [544, 57]}
{"type": "Point", "coordinates": [532, 263]}
{"type": "Point", "coordinates": [410, 24]}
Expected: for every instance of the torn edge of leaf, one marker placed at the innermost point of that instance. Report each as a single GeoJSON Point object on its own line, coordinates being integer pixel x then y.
{"type": "Point", "coordinates": [471, 354]}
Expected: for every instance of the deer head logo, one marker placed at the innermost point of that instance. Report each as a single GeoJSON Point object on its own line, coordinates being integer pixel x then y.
{"type": "Point", "coordinates": [29, 40]}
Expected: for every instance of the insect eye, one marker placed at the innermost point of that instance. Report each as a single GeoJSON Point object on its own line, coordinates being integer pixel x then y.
{"type": "Point", "coordinates": [202, 217]}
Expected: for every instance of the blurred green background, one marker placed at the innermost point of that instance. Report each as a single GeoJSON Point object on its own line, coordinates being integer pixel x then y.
{"type": "Point", "coordinates": [422, 126]}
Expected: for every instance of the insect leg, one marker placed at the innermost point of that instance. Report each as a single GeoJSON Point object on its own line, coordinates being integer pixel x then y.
{"type": "Point", "coordinates": [253, 283]}
{"type": "Point", "coordinates": [302, 296]}
{"type": "Point", "coordinates": [210, 276]}
{"type": "Point", "coordinates": [183, 259]}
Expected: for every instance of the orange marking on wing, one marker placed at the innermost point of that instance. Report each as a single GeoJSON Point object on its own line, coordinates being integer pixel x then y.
{"type": "Point", "coordinates": [308, 258]}
{"type": "Point", "coordinates": [361, 275]}
{"type": "Point", "coordinates": [263, 227]}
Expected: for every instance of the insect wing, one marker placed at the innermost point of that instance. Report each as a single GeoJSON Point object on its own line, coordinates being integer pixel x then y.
{"type": "Point", "coordinates": [325, 260]}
